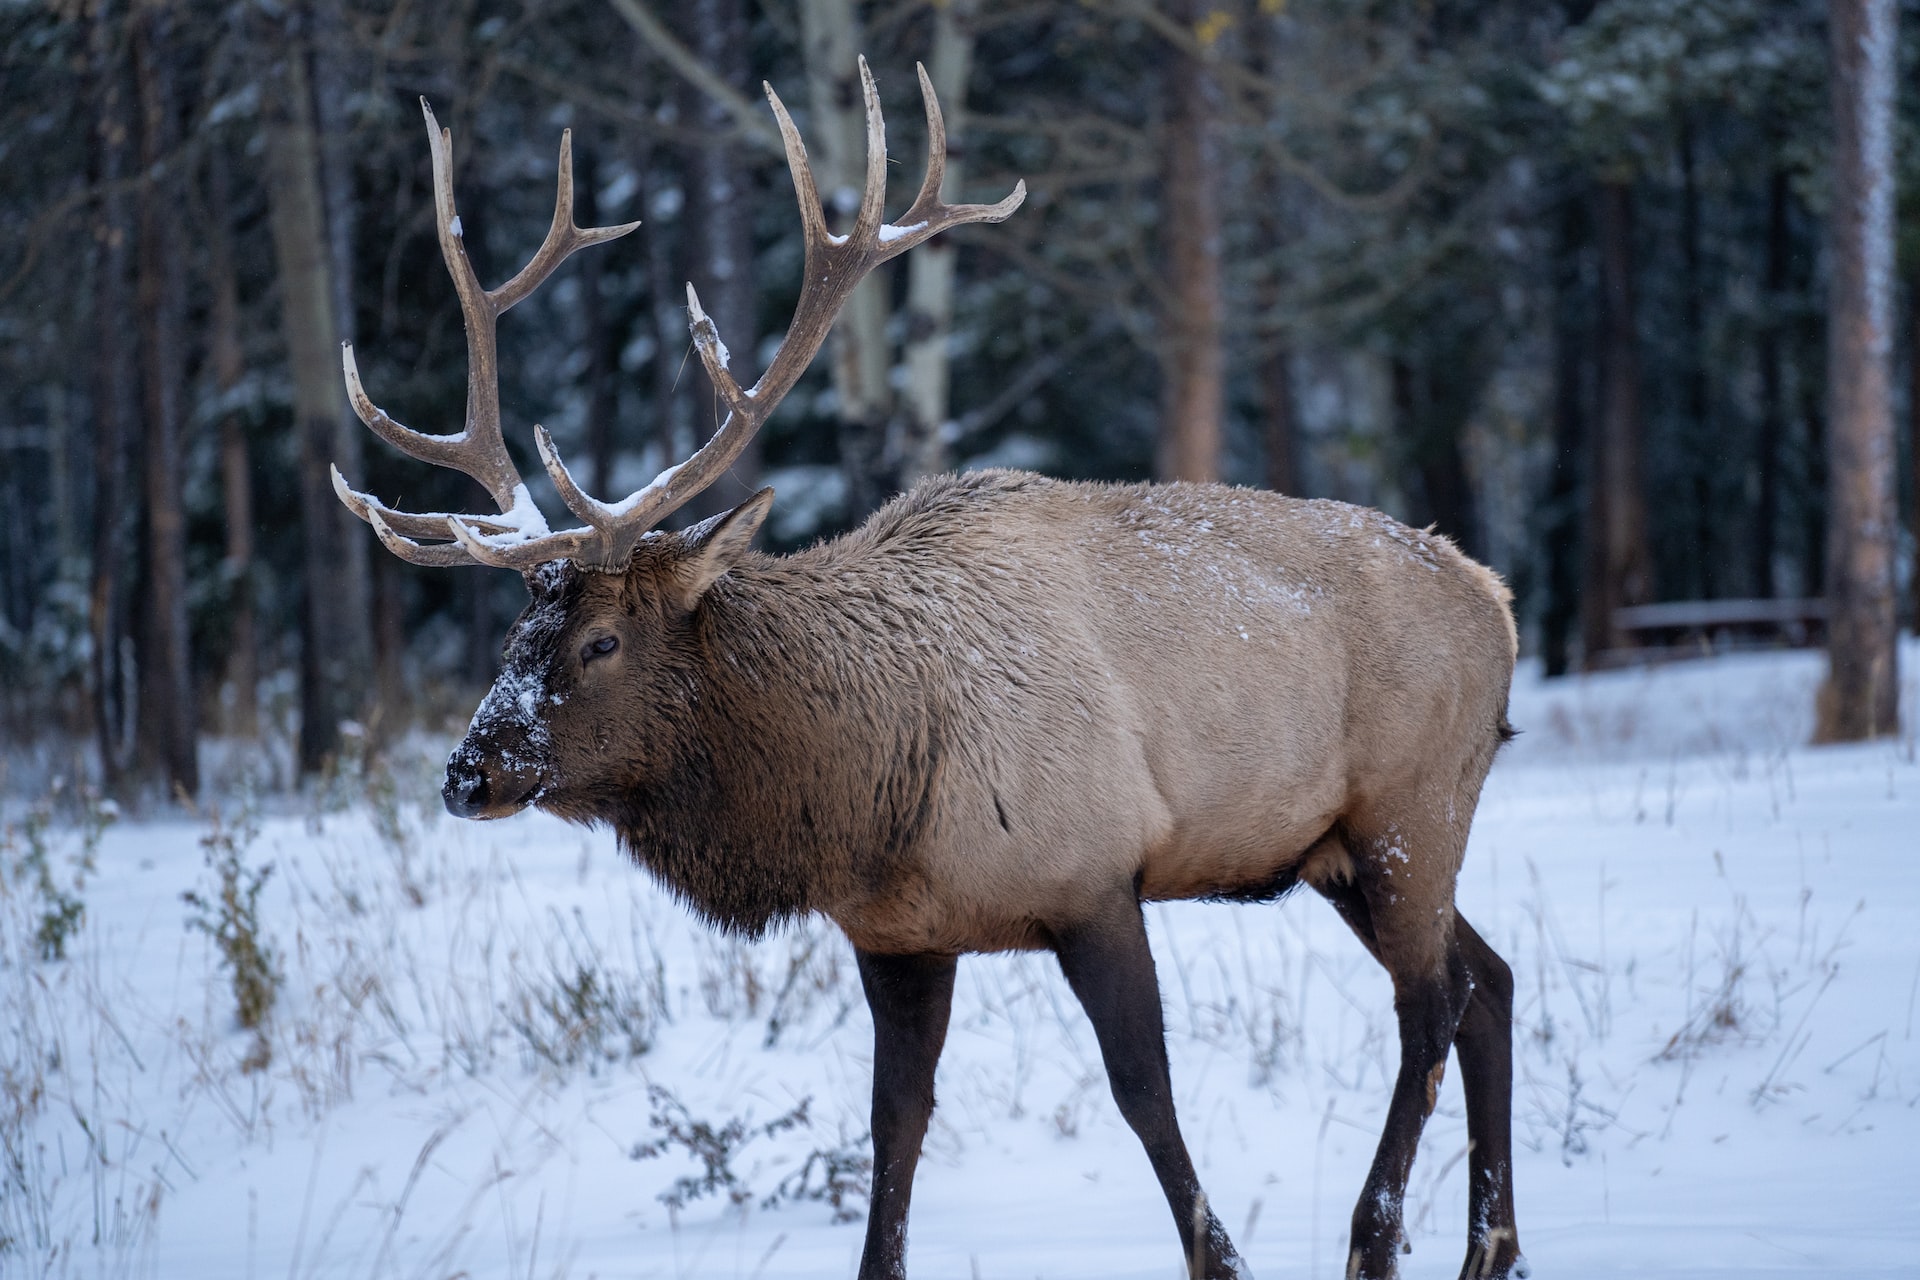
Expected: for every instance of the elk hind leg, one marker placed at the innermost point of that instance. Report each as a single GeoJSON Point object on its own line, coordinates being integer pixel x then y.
{"type": "Point", "coordinates": [1109, 966]}
{"type": "Point", "coordinates": [911, 998]}
{"type": "Point", "coordinates": [1484, 1043]}
{"type": "Point", "coordinates": [1389, 900]}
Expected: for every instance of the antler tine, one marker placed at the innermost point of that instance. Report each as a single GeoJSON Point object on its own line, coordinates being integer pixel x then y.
{"type": "Point", "coordinates": [482, 452]}
{"type": "Point", "coordinates": [929, 197]}
{"type": "Point", "coordinates": [571, 544]}
{"type": "Point", "coordinates": [929, 215]}
{"type": "Point", "coordinates": [813, 223]}
{"type": "Point", "coordinates": [441, 555]}
{"type": "Point", "coordinates": [873, 198]}
{"type": "Point", "coordinates": [715, 357]}
{"type": "Point", "coordinates": [563, 238]}
{"type": "Point", "coordinates": [410, 524]}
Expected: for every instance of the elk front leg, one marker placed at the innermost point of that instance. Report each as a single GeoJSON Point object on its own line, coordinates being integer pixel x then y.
{"type": "Point", "coordinates": [911, 997]}
{"type": "Point", "coordinates": [1110, 968]}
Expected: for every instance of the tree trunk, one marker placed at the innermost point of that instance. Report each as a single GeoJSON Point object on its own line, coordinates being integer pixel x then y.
{"type": "Point", "coordinates": [922, 449]}
{"type": "Point", "coordinates": [1913, 434]}
{"type": "Point", "coordinates": [1616, 543]}
{"type": "Point", "coordinates": [669, 316]}
{"type": "Point", "coordinates": [1860, 697]}
{"type": "Point", "coordinates": [1279, 420]}
{"type": "Point", "coordinates": [720, 208]}
{"type": "Point", "coordinates": [392, 702]}
{"type": "Point", "coordinates": [1560, 527]}
{"type": "Point", "coordinates": [333, 72]}
{"type": "Point", "coordinates": [1703, 449]}
{"type": "Point", "coordinates": [336, 646]}
{"type": "Point", "coordinates": [1274, 372]}
{"type": "Point", "coordinates": [1444, 483]}
{"type": "Point", "coordinates": [595, 331]}
{"type": "Point", "coordinates": [115, 395]}
{"type": "Point", "coordinates": [167, 734]}
{"type": "Point", "coordinates": [236, 474]}
{"type": "Point", "coordinates": [1773, 407]}
{"type": "Point", "coordinates": [830, 44]}
{"type": "Point", "coordinates": [1193, 357]}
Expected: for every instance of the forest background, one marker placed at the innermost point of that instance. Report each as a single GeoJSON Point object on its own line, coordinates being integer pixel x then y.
{"type": "Point", "coordinates": [1573, 281]}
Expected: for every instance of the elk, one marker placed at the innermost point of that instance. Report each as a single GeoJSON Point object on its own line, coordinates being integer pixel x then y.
{"type": "Point", "coordinates": [1001, 714]}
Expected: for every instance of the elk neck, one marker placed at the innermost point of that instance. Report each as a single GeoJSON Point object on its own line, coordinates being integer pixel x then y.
{"type": "Point", "coordinates": [806, 758]}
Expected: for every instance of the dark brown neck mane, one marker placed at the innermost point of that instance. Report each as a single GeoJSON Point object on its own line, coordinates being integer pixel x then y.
{"type": "Point", "coordinates": [802, 757]}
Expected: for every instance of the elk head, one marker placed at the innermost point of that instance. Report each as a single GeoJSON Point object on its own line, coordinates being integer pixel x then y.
{"type": "Point", "coordinates": [603, 645]}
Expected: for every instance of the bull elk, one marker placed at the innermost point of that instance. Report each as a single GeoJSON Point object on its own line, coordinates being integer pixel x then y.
{"type": "Point", "coordinates": [1000, 715]}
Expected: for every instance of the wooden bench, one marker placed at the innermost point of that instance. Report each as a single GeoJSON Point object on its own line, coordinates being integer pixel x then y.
{"type": "Point", "coordinates": [1683, 628]}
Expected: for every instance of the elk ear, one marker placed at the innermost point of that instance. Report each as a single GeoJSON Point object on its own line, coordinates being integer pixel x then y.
{"type": "Point", "coordinates": [715, 545]}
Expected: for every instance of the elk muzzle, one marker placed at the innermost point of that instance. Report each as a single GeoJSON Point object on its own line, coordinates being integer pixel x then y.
{"type": "Point", "coordinates": [479, 786]}
{"type": "Point", "coordinates": [501, 766]}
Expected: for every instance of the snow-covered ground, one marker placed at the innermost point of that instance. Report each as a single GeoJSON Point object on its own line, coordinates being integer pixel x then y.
{"type": "Point", "coordinates": [1715, 928]}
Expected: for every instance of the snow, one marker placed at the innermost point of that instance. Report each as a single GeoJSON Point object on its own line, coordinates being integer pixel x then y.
{"type": "Point", "coordinates": [1716, 1063]}
{"type": "Point", "coordinates": [646, 491]}
{"type": "Point", "coordinates": [889, 233]}
{"type": "Point", "coordinates": [454, 229]}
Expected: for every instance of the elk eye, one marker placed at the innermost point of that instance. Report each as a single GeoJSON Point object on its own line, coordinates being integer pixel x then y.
{"type": "Point", "coordinates": [598, 648]}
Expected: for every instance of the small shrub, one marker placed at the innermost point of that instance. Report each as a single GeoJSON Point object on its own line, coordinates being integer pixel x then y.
{"type": "Point", "coordinates": [578, 1010]}
{"type": "Point", "coordinates": [61, 908]}
{"type": "Point", "coordinates": [837, 1176]}
{"type": "Point", "coordinates": [713, 1148]}
{"type": "Point", "coordinates": [590, 1015]}
{"type": "Point", "coordinates": [230, 915]}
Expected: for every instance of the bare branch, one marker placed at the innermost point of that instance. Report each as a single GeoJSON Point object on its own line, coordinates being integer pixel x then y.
{"type": "Point", "coordinates": [688, 67]}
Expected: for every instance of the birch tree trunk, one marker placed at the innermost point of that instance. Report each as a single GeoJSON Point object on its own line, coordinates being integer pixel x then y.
{"type": "Point", "coordinates": [922, 448]}
{"type": "Point", "coordinates": [167, 736]}
{"type": "Point", "coordinates": [1860, 696]}
{"type": "Point", "coordinates": [1193, 359]}
{"type": "Point", "coordinates": [830, 46]}
{"type": "Point", "coordinates": [336, 646]}
{"type": "Point", "coordinates": [1617, 562]}
{"type": "Point", "coordinates": [115, 393]}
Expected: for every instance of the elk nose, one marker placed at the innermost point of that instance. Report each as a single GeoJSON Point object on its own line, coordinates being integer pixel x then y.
{"type": "Point", "coordinates": [465, 791]}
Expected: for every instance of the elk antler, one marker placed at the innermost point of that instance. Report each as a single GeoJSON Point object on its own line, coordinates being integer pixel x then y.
{"type": "Point", "coordinates": [479, 450]}
{"type": "Point", "coordinates": [519, 538]}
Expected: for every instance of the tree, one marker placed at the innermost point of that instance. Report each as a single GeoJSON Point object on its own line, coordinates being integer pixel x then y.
{"type": "Point", "coordinates": [1617, 569]}
{"type": "Point", "coordinates": [720, 209]}
{"type": "Point", "coordinates": [1193, 357]}
{"type": "Point", "coordinates": [1860, 696]}
{"type": "Point", "coordinates": [336, 641]}
{"type": "Point", "coordinates": [228, 361]}
{"type": "Point", "coordinates": [930, 271]}
{"type": "Point", "coordinates": [115, 412]}
{"type": "Point", "coordinates": [167, 734]}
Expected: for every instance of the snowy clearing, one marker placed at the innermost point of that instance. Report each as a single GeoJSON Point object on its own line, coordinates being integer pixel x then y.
{"type": "Point", "coordinates": [1715, 929]}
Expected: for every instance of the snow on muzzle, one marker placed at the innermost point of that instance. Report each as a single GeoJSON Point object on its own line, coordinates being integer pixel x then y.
{"type": "Point", "coordinates": [501, 766]}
